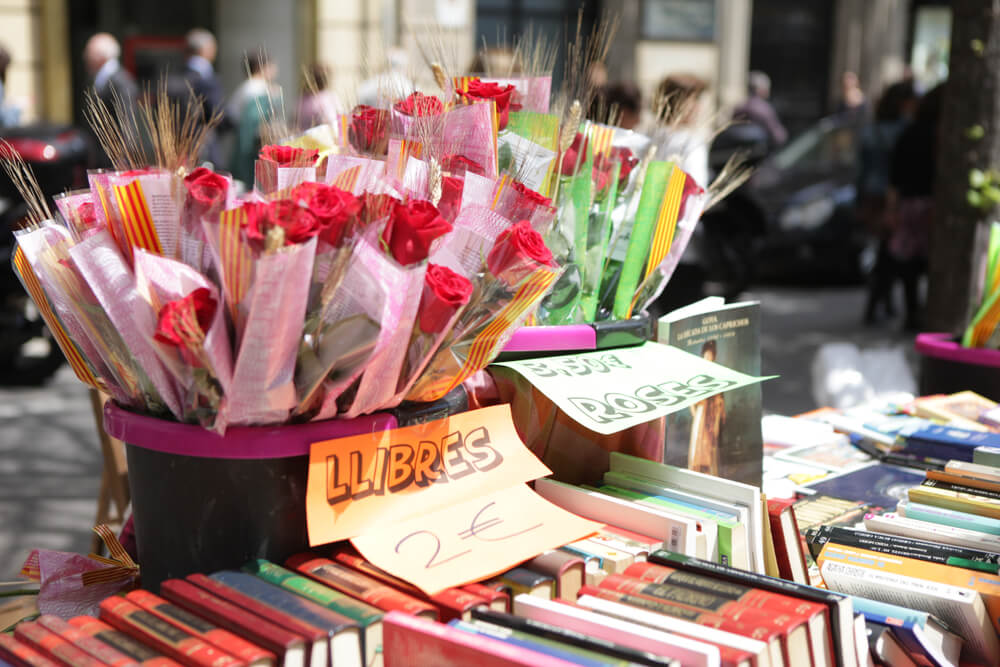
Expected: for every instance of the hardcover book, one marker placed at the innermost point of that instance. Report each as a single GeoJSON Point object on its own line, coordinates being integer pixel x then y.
{"type": "Point", "coordinates": [877, 485]}
{"type": "Point", "coordinates": [104, 633]}
{"type": "Point", "coordinates": [54, 646]}
{"type": "Point", "coordinates": [721, 435]}
{"type": "Point", "coordinates": [105, 653]}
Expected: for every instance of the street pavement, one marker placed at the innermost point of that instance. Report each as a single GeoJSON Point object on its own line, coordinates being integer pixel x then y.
{"type": "Point", "coordinates": [50, 460]}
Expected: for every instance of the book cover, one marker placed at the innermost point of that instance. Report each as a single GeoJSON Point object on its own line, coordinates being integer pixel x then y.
{"type": "Point", "coordinates": [105, 653]}
{"type": "Point", "coordinates": [54, 646]}
{"type": "Point", "coordinates": [411, 640]}
{"type": "Point", "coordinates": [223, 639]}
{"type": "Point", "coordinates": [580, 656]}
{"type": "Point", "coordinates": [289, 646]}
{"type": "Point", "coordinates": [519, 580]}
{"type": "Point", "coordinates": [897, 545]}
{"type": "Point", "coordinates": [787, 540]}
{"type": "Point", "coordinates": [920, 633]}
{"type": "Point", "coordinates": [949, 442]}
{"type": "Point", "coordinates": [956, 497]}
{"type": "Point", "coordinates": [565, 569]}
{"type": "Point", "coordinates": [893, 523]}
{"type": "Point", "coordinates": [883, 645]}
{"type": "Point", "coordinates": [877, 485]}
{"type": "Point", "coordinates": [964, 409]}
{"type": "Point", "coordinates": [104, 633]}
{"type": "Point", "coordinates": [498, 600]}
{"type": "Point", "coordinates": [987, 456]}
{"type": "Point", "coordinates": [19, 653]}
{"type": "Point", "coordinates": [947, 517]}
{"type": "Point", "coordinates": [720, 435]}
{"type": "Point", "coordinates": [964, 479]}
{"type": "Point", "coordinates": [183, 647]}
{"type": "Point", "coordinates": [360, 586]}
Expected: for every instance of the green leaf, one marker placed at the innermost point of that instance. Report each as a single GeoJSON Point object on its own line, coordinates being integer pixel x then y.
{"type": "Point", "coordinates": [975, 132]}
{"type": "Point", "coordinates": [977, 178]}
{"type": "Point", "coordinates": [974, 198]}
{"type": "Point", "coordinates": [993, 195]}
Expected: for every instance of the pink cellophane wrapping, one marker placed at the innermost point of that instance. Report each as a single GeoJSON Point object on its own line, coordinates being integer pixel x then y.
{"type": "Point", "coordinates": [68, 205]}
{"type": "Point", "coordinates": [516, 206]}
{"type": "Point", "coordinates": [532, 93]}
{"type": "Point", "coordinates": [355, 174]}
{"type": "Point", "coordinates": [270, 178]}
{"type": "Point", "coordinates": [161, 280]}
{"type": "Point", "coordinates": [403, 287]}
{"type": "Point", "coordinates": [419, 354]}
{"type": "Point", "coordinates": [415, 178]}
{"type": "Point", "coordinates": [113, 283]}
{"type": "Point", "coordinates": [468, 131]}
{"type": "Point", "coordinates": [104, 204]}
{"type": "Point", "coordinates": [194, 250]}
{"type": "Point", "coordinates": [62, 592]}
{"type": "Point", "coordinates": [465, 247]}
{"type": "Point", "coordinates": [263, 387]}
{"type": "Point", "coordinates": [161, 192]}
{"type": "Point", "coordinates": [478, 190]}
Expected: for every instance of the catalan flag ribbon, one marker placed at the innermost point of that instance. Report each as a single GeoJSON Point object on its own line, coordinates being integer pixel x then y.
{"type": "Point", "coordinates": [235, 257]}
{"type": "Point", "coordinates": [666, 220]}
{"type": "Point", "coordinates": [137, 221]}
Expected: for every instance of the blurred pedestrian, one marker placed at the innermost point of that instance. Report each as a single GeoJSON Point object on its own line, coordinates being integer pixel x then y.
{"type": "Point", "coordinates": [200, 74]}
{"type": "Point", "coordinates": [318, 104]}
{"type": "Point", "coordinates": [757, 109]}
{"type": "Point", "coordinates": [677, 106]}
{"type": "Point", "coordinates": [392, 83]}
{"type": "Point", "coordinates": [894, 110]}
{"type": "Point", "coordinates": [110, 79]}
{"type": "Point", "coordinates": [852, 98]}
{"type": "Point", "coordinates": [10, 115]}
{"type": "Point", "coordinates": [619, 104]}
{"type": "Point", "coordinates": [910, 198]}
{"type": "Point", "coordinates": [251, 106]}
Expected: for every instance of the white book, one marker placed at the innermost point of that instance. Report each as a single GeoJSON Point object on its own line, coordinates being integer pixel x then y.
{"type": "Point", "coordinates": [977, 470]}
{"type": "Point", "coordinates": [688, 651]}
{"type": "Point", "coordinates": [709, 486]}
{"type": "Point", "coordinates": [768, 654]}
{"type": "Point", "coordinates": [895, 524]}
{"type": "Point", "coordinates": [961, 608]}
{"type": "Point", "coordinates": [861, 649]}
{"type": "Point", "coordinates": [677, 531]}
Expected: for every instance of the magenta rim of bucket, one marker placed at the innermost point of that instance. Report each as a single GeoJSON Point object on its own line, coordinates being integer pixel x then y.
{"type": "Point", "coordinates": [552, 338]}
{"type": "Point", "coordinates": [943, 346]}
{"type": "Point", "coordinates": [240, 442]}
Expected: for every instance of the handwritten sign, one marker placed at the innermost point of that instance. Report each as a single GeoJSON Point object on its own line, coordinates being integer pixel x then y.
{"type": "Point", "coordinates": [609, 392]}
{"type": "Point", "coordinates": [472, 540]}
{"type": "Point", "coordinates": [371, 480]}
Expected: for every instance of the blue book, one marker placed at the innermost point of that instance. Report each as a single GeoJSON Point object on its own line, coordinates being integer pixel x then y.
{"type": "Point", "coordinates": [947, 517]}
{"type": "Point", "coordinates": [918, 632]}
{"type": "Point", "coordinates": [550, 647]}
{"type": "Point", "coordinates": [948, 442]}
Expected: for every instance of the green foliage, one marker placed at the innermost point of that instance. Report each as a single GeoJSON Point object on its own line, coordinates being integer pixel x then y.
{"type": "Point", "coordinates": [984, 189]}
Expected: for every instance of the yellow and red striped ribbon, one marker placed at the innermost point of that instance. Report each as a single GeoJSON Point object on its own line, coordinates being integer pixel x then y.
{"type": "Point", "coordinates": [407, 149]}
{"type": "Point", "coordinates": [600, 139]}
{"type": "Point", "coordinates": [121, 566]}
{"type": "Point", "coordinates": [502, 184]}
{"type": "Point", "coordinates": [461, 83]}
{"type": "Point", "coordinates": [137, 221]}
{"type": "Point", "coordinates": [666, 220]}
{"type": "Point", "coordinates": [235, 254]}
{"type": "Point", "coordinates": [69, 349]}
{"type": "Point", "coordinates": [347, 179]}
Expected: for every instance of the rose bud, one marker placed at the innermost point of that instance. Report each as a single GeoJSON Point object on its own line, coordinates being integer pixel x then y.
{"type": "Point", "coordinates": [444, 293]}
{"type": "Point", "coordinates": [575, 155]}
{"type": "Point", "coordinates": [299, 224]}
{"type": "Point", "coordinates": [367, 130]}
{"type": "Point", "coordinates": [289, 156]}
{"type": "Point", "coordinates": [451, 197]}
{"type": "Point", "coordinates": [517, 253]}
{"type": "Point", "coordinates": [184, 322]}
{"type": "Point", "coordinates": [411, 229]}
{"type": "Point", "coordinates": [501, 95]}
{"type": "Point", "coordinates": [418, 104]}
{"type": "Point", "coordinates": [333, 208]}
{"type": "Point", "coordinates": [206, 190]}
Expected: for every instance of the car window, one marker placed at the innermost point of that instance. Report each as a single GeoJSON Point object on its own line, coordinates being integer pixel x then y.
{"type": "Point", "coordinates": [822, 146]}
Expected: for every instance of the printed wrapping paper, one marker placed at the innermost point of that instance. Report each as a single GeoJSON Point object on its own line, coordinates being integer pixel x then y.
{"type": "Point", "coordinates": [146, 201]}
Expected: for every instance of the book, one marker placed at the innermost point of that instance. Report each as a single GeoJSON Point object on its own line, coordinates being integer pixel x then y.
{"type": "Point", "coordinates": [498, 600]}
{"type": "Point", "coordinates": [609, 558]}
{"type": "Point", "coordinates": [130, 646]}
{"type": "Point", "coordinates": [519, 580]}
{"type": "Point", "coordinates": [840, 612]}
{"type": "Point", "coordinates": [948, 442]}
{"type": "Point", "coordinates": [360, 586]}
{"type": "Point", "coordinates": [794, 630]}
{"type": "Point", "coordinates": [149, 629]}
{"type": "Point", "coordinates": [948, 517]}
{"type": "Point", "coordinates": [562, 634]}
{"type": "Point", "coordinates": [926, 639]}
{"type": "Point", "coordinates": [987, 456]}
{"type": "Point", "coordinates": [343, 644]}
{"type": "Point", "coordinates": [412, 640]}
{"type": "Point", "coordinates": [962, 609]}
{"type": "Point", "coordinates": [54, 646]}
{"type": "Point", "coordinates": [897, 545]}
{"type": "Point", "coordinates": [634, 549]}
{"type": "Point", "coordinates": [963, 479]}
{"type": "Point", "coordinates": [964, 409]}
{"type": "Point", "coordinates": [451, 603]}
{"type": "Point", "coordinates": [734, 649]}
{"type": "Point", "coordinates": [744, 496]}
{"type": "Point", "coordinates": [289, 647]}
{"type": "Point", "coordinates": [105, 653]}
{"type": "Point", "coordinates": [885, 648]}
{"type": "Point", "coordinates": [720, 435]}
{"type": "Point", "coordinates": [223, 639]}
{"type": "Point", "coordinates": [565, 569]}
{"type": "Point", "coordinates": [787, 540]}
{"type": "Point", "coordinates": [770, 558]}
{"type": "Point", "coordinates": [837, 454]}
{"type": "Point", "coordinates": [991, 419]}
{"type": "Point", "coordinates": [748, 628]}
{"type": "Point", "coordinates": [367, 617]}
{"type": "Point", "coordinates": [893, 523]}
{"type": "Point", "coordinates": [813, 614]}
{"type": "Point", "coordinates": [19, 653]}
{"type": "Point", "coordinates": [878, 485]}
{"type": "Point", "coordinates": [956, 497]}
{"type": "Point", "coordinates": [647, 542]}
{"type": "Point", "coordinates": [973, 470]}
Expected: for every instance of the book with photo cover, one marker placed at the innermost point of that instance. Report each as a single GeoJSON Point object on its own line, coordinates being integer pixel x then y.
{"type": "Point", "coordinates": [878, 485]}
{"type": "Point", "coordinates": [721, 435]}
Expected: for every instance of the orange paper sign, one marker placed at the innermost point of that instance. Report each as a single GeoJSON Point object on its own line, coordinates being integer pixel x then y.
{"type": "Point", "coordinates": [365, 482]}
{"type": "Point", "coordinates": [472, 540]}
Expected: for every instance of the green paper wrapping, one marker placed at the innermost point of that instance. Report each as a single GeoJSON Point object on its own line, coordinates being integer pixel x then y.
{"type": "Point", "coordinates": [596, 245]}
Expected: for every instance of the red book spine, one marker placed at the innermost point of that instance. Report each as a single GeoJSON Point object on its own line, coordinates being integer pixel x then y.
{"type": "Point", "coordinates": [104, 633]}
{"type": "Point", "coordinates": [228, 615]}
{"type": "Point", "coordinates": [452, 603]}
{"type": "Point", "coordinates": [498, 600]}
{"type": "Point", "coordinates": [360, 586]}
{"type": "Point", "coordinates": [174, 642]}
{"type": "Point", "coordinates": [21, 654]}
{"type": "Point", "coordinates": [95, 647]}
{"type": "Point", "coordinates": [258, 608]}
{"type": "Point", "coordinates": [222, 639]}
{"type": "Point", "coordinates": [54, 646]}
{"type": "Point", "coordinates": [774, 510]}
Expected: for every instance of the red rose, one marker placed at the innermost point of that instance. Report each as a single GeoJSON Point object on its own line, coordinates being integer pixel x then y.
{"type": "Point", "coordinates": [628, 161]}
{"type": "Point", "coordinates": [459, 163]}
{"type": "Point", "coordinates": [334, 208]}
{"type": "Point", "coordinates": [206, 190]}
{"type": "Point", "coordinates": [517, 253]}
{"type": "Point", "coordinates": [411, 229]}
{"type": "Point", "coordinates": [184, 322]}
{"type": "Point", "coordinates": [451, 197]}
{"type": "Point", "coordinates": [480, 90]}
{"type": "Point", "coordinates": [529, 196]}
{"type": "Point", "coordinates": [418, 104]}
{"type": "Point", "coordinates": [575, 155]}
{"type": "Point", "coordinates": [299, 224]}
{"type": "Point", "coordinates": [601, 178]}
{"type": "Point", "coordinates": [691, 188]}
{"type": "Point", "coordinates": [257, 214]}
{"type": "Point", "coordinates": [87, 214]}
{"type": "Point", "coordinates": [288, 156]}
{"type": "Point", "coordinates": [367, 131]}
{"type": "Point", "coordinates": [444, 293]}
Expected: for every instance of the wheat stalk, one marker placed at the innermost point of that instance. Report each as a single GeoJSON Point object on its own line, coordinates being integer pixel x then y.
{"type": "Point", "coordinates": [23, 177]}
{"type": "Point", "coordinates": [434, 180]}
{"type": "Point", "coordinates": [440, 78]}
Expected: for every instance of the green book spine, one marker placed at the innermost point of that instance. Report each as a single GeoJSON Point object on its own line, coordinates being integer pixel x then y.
{"type": "Point", "coordinates": [357, 611]}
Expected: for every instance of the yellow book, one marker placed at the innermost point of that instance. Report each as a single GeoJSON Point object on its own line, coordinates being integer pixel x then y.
{"type": "Point", "coordinates": [961, 410]}
{"type": "Point", "coordinates": [940, 495]}
{"type": "Point", "coordinates": [770, 557]}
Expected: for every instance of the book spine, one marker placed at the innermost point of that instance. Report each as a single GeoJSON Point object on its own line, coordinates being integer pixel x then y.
{"type": "Point", "coordinates": [367, 590]}
{"type": "Point", "coordinates": [22, 654]}
{"type": "Point", "coordinates": [498, 600]}
{"type": "Point", "coordinates": [130, 646]}
{"type": "Point", "coordinates": [951, 500]}
{"type": "Point", "coordinates": [345, 605]}
{"type": "Point", "coordinates": [973, 482]}
{"type": "Point", "coordinates": [162, 636]}
{"type": "Point", "coordinates": [98, 649]}
{"type": "Point", "coordinates": [986, 494]}
{"type": "Point", "coordinates": [902, 546]}
{"type": "Point", "coordinates": [221, 638]}
{"type": "Point", "coordinates": [229, 616]}
{"type": "Point", "coordinates": [944, 451]}
{"type": "Point", "coordinates": [54, 646]}
{"type": "Point", "coordinates": [778, 540]}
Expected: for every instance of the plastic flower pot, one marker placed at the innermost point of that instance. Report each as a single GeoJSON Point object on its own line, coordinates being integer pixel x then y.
{"type": "Point", "coordinates": [541, 341]}
{"type": "Point", "coordinates": [203, 502]}
{"type": "Point", "coordinates": [946, 367]}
